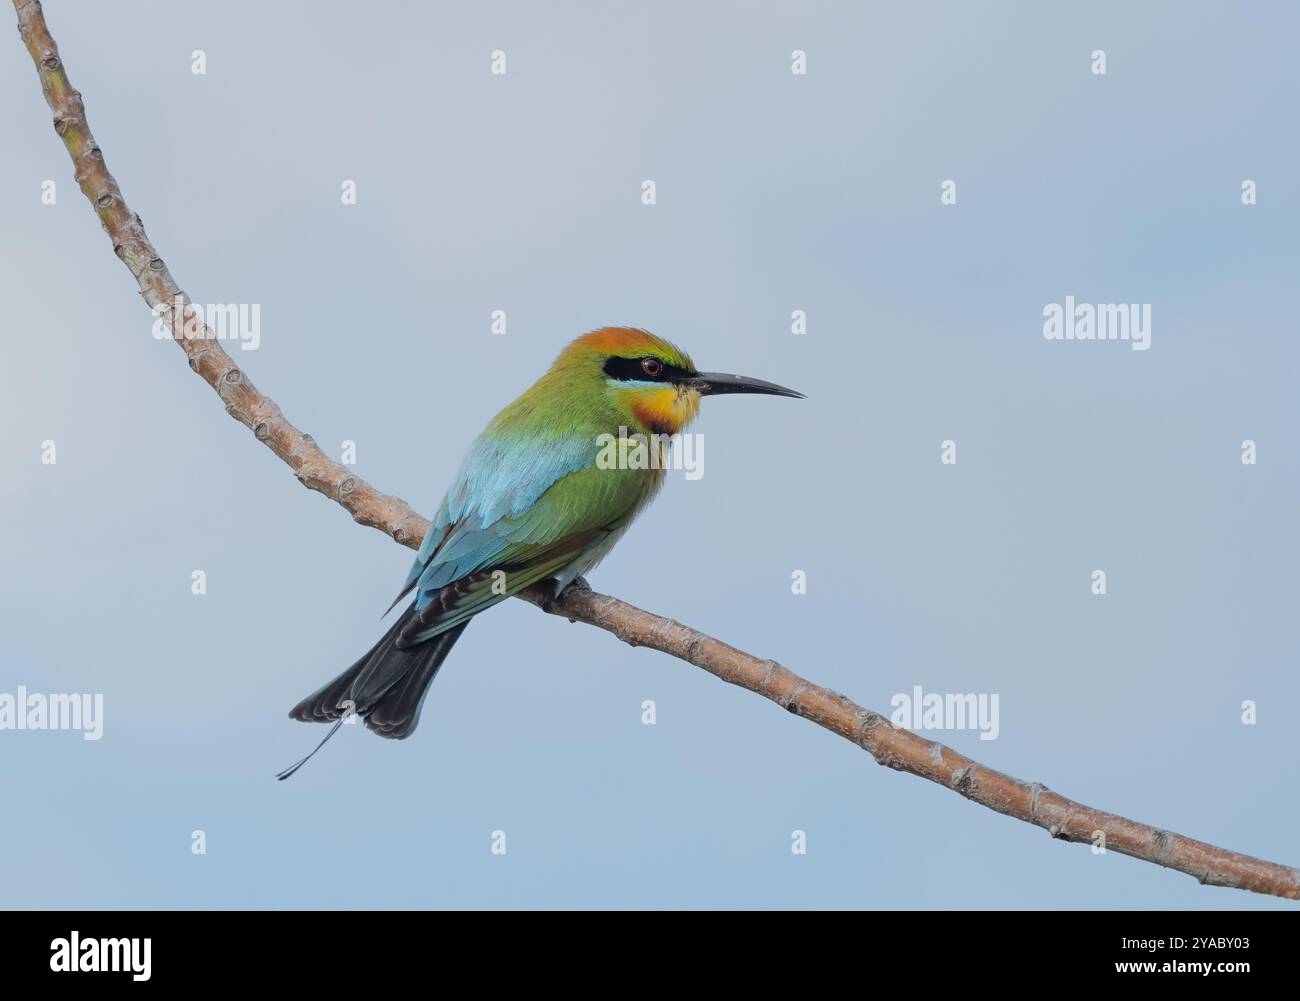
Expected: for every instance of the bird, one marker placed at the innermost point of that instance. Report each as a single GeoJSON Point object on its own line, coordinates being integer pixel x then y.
{"type": "Point", "coordinates": [532, 502]}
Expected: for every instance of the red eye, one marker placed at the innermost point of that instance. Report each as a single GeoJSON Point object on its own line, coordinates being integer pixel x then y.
{"type": "Point", "coordinates": [651, 367]}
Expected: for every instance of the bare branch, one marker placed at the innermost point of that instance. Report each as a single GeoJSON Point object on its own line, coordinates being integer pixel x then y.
{"type": "Point", "coordinates": [899, 749]}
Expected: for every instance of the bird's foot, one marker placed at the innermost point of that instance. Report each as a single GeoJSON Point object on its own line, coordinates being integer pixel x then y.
{"type": "Point", "coordinates": [558, 593]}
{"type": "Point", "coordinates": [577, 584]}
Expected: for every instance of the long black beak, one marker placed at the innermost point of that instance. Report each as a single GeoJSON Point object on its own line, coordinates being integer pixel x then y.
{"type": "Point", "coordinates": [718, 383]}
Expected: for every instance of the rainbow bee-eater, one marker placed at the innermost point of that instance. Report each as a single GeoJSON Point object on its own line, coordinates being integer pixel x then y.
{"type": "Point", "coordinates": [532, 502]}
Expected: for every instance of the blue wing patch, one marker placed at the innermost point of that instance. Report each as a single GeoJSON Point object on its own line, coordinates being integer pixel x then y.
{"type": "Point", "coordinates": [500, 478]}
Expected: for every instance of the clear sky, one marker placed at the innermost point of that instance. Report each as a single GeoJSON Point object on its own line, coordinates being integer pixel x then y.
{"type": "Point", "coordinates": [775, 192]}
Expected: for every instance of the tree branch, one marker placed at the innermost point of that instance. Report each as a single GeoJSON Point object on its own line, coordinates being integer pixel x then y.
{"type": "Point", "coordinates": [897, 748]}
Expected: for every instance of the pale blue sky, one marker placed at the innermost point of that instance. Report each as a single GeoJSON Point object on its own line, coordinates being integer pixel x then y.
{"type": "Point", "coordinates": [775, 193]}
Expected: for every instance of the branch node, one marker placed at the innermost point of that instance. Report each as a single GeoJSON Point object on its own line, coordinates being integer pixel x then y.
{"type": "Point", "coordinates": [791, 702]}
{"type": "Point", "coordinates": [964, 779]}
{"type": "Point", "coordinates": [1036, 789]}
{"type": "Point", "coordinates": [868, 720]}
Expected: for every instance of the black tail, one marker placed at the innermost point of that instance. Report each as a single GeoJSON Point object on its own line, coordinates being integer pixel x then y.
{"type": "Point", "coordinates": [386, 687]}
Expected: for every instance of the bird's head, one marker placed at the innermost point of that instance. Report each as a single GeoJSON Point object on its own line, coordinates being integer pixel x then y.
{"type": "Point", "coordinates": [653, 383]}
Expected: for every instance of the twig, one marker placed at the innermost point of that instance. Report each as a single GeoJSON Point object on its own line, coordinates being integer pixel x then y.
{"type": "Point", "coordinates": [889, 745]}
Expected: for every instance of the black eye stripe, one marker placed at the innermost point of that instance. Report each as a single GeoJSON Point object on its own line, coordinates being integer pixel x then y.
{"type": "Point", "coordinates": [629, 369]}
